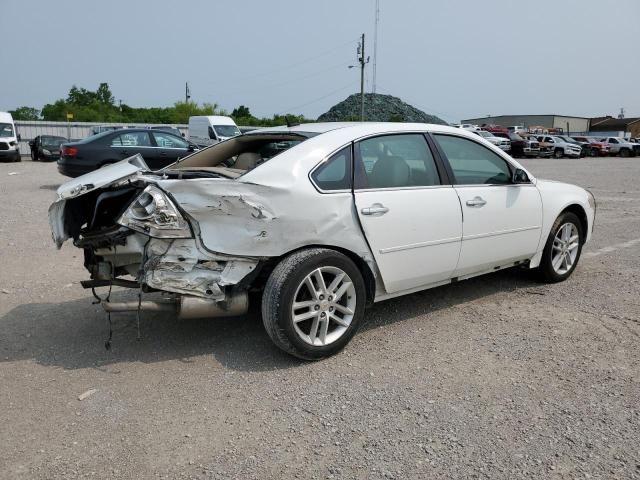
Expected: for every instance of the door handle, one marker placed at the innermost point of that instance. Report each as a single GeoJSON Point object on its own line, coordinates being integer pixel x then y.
{"type": "Point", "coordinates": [375, 209]}
{"type": "Point", "coordinates": [124, 152]}
{"type": "Point", "coordinates": [476, 202]}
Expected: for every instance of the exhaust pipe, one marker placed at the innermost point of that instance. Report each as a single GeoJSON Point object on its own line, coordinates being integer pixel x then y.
{"type": "Point", "coordinates": [186, 306]}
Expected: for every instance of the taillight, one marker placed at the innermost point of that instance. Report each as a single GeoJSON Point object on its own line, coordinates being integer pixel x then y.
{"type": "Point", "coordinates": [69, 151]}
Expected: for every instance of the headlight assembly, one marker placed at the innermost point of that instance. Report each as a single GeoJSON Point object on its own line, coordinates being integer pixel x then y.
{"type": "Point", "coordinates": [154, 214]}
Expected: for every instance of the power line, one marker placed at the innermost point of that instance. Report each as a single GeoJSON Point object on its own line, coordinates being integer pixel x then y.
{"type": "Point", "coordinates": [288, 110]}
{"type": "Point", "coordinates": [287, 82]}
{"type": "Point", "coordinates": [294, 65]}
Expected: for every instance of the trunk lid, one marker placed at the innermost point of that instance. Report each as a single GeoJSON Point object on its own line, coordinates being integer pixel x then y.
{"type": "Point", "coordinates": [102, 177]}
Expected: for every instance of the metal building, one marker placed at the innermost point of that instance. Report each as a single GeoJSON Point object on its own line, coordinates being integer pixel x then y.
{"type": "Point", "coordinates": [569, 124]}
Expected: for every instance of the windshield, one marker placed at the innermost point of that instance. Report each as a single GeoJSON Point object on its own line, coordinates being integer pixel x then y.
{"type": "Point", "coordinates": [482, 133]}
{"type": "Point", "coordinates": [226, 130]}
{"type": "Point", "coordinates": [6, 130]}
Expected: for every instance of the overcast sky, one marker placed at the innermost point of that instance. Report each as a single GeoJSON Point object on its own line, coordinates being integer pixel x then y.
{"type": "Point", "coordinates": [455, 59]}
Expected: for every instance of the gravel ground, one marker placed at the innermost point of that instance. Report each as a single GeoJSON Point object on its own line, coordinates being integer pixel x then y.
{"type": "Point", "coordinates": [495, 377]}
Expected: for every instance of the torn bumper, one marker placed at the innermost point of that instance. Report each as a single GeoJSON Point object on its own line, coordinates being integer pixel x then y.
{"type": "Point", "coordinates": [174, 265]}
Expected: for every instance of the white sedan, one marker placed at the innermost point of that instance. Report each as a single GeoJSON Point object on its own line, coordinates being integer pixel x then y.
{"type": "Point", "coordinates": [320, 220]}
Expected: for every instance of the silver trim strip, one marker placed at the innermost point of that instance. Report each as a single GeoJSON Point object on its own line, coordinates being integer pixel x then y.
{"type": "Point", "coordinates": [419, 245]}
{"type": "Point", "coordinates": [501, 232]}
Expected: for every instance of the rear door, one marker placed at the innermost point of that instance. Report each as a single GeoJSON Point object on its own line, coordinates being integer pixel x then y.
{"type": "Point", "coordinates": [127, 143]}
{"type": "Point", "coordinates": [502, 221]}
{"type": "Point", "coordinates": [169, 148]}
{"type": "Point", "coordinates": [409, 212]}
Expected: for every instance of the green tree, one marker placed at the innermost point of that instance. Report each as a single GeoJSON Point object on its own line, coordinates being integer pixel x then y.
{"type": "Point", "coordinates": [104, 95]}
{"type": "Point", "coordinates": [25, 113]}
{"type": "Point", "coordinates": [241, 112]}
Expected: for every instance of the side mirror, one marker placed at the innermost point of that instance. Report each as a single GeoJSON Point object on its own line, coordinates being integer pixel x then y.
{"type": "Point", "coordinates": [191, 148]}
{"type": "Point", "coordinates": [520, 176]}
{"type": "Point", "coordinates": [19, 137]}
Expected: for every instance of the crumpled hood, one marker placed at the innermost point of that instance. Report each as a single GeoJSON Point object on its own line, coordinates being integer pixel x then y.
{"type": "Point", "coordinates": [102, 177]}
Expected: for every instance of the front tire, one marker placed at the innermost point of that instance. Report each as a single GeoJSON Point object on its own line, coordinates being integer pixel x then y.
{"type": "Point", "coordinates": [313, 303]}
{"type": "Point", "coordinates": [562, 250]}
{"type": "Point", "coordinates": [558, 153]}
{"type": "Point", "coordinates": [625, 153]}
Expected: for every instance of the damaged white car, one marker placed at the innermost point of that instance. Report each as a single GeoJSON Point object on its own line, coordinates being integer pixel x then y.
{"type": "Point", "coordinates": [322, 220]}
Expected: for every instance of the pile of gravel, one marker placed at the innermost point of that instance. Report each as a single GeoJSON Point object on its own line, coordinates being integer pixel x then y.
{"type": "Point", "coordinates": [377, 108]}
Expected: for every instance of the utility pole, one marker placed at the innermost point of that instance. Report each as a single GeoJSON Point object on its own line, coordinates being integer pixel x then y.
{"type": "Point", "coordinates": [363, 63]}
{"type": "Point", "coordinates": [187, 93]}
{"type": "Point", "coordinates": [375, 47]}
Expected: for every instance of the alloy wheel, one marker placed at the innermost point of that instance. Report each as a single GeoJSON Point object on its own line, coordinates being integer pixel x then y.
{"type": "Point", "coordinates": [565, 248]}
{"type": "Point", "coordinates": [323, 306]}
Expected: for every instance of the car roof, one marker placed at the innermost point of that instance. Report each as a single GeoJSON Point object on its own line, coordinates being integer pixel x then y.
{"type": "Point", "coordinates": [364, 127]}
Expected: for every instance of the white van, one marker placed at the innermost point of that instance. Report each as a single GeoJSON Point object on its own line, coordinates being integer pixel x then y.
{"type": "Point", "coordinates": [207, 130]}
{"type": "Point", "coordinates": [9, 138]}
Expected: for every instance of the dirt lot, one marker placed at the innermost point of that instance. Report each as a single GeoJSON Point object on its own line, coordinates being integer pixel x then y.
{"type": "Point", "coordinates": [496, 377]}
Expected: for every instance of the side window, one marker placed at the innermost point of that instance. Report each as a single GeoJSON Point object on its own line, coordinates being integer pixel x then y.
{"type": "Point", "coordinates": [396, 161]}
{"type": "Point", "coordinates": [335, 173]}
{"type": "Point", "coordinates": [166, 140]}
{"type": "Point", "coordinates": [131, 139]}
{"type": "Point", "coordinates": [473, 164]}
{"type": "Point", "coordinates": [613, 140]}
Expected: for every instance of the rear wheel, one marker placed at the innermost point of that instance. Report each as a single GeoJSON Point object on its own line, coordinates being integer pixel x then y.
{"type": "Point", "coordinates": [562, 250]}
{"type": "Point", "coordinates": [313, 303]}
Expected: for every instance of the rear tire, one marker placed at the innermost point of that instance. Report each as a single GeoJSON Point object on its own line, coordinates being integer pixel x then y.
{"type": "Point", "coordinates": [299, 311]}
{"type": "Point", "coordinates": [562, 250]}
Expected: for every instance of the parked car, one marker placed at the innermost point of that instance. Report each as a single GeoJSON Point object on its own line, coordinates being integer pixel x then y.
{"type": "Point", "coordinates": [46, 147]}
{"type": "Point", "coordinates": [500, 142]}
{"type": "Point", "coordinates": [158, 148]}
{"type": "Point", "coordinates": [103, 128]}
{"type": "Point", "coordinates": [319, 221]}
{"type": "Point", "coordinates": [596, 148]}
{"type": "Point", "coordinates": [169, 128]}
{"type": "Point", "coordinates": [520, 147]}
{"type": "Point", "coordinates": [210, 129]}
{"type": "Point", "coordinates": [560, 147]}
{"type": "Point", "coordinates": [545, 149]}
{"type": "Point", "coordinates": [9, 139]}
{"type": "Point", "coordinates": [619, 146]}
{"type": "Point", "coordinates": [584, 146]}
{"type": "Point", "coordinates": [636, 145]}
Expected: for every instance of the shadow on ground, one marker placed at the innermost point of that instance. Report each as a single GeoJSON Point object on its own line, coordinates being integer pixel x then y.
{"type": "Point", "coordinates": [72, 334]}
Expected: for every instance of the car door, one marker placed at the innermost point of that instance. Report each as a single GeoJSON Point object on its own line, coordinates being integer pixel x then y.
{"type": "Point", "coordinates": [125, 143]}
{"type": "Point", "coordinates": [169, 148]}
{"type": "Point", "coordinates": [408, 210]}
{"type": "Point", "coordinates": [502, 221]}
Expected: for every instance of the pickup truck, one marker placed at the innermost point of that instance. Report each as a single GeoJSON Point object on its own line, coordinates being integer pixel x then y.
{"type": "Point", "coordinates": [500, 142]}
{"type": "Point", "coordinates": [620, 146]}
{"type": "Point", "coordinates": [596, 148]}
{"type": "Point", "coordinates": [520, 147]}
{"type": "Point", "coordinates": [560, 147]}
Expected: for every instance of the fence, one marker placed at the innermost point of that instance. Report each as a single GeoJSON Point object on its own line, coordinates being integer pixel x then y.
{"type": "Point", "coordinates": [28, 130]}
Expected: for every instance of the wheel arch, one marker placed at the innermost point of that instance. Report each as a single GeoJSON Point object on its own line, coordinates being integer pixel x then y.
{"type": "Point", "coordinates": [361, 264]}
{"type": "Point", "coordinates": [579, 211]}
